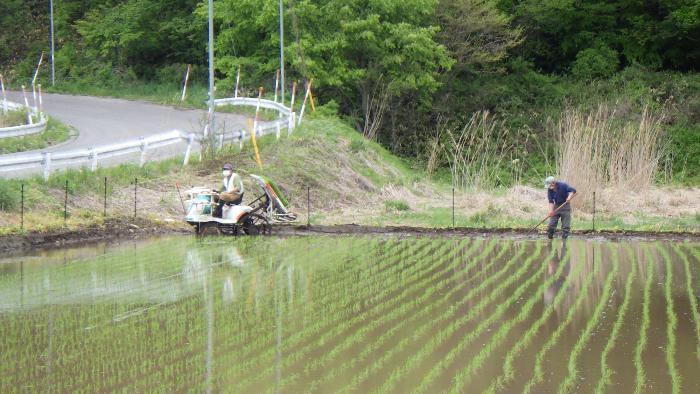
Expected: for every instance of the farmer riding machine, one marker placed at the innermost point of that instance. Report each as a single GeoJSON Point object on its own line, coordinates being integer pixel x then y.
{"type": "Point", "coordinates": [255, 218]}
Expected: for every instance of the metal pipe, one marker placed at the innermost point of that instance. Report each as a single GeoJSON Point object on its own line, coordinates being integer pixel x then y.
{"type": "Point", "coordinates": [53, 65]}
{"type": "Point", "coordinates": [282, 51]}
{"type": "Point", "coordinates": [210, 119]}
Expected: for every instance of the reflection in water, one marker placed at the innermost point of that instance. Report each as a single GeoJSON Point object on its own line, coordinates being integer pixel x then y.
{"type": "Point", "coordinates": [559, 256]}
{"type": "Point", "coordinates": [332, 314]}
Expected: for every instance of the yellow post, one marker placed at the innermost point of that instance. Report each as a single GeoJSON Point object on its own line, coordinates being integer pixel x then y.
{"type": "Point", "coordinates": [255, 144]}
{"type": "Point", "coordinates": [311, 96]}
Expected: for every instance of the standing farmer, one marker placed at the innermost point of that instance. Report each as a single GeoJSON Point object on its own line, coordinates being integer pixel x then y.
{"type": "Point", "coordinates": [558, 194]}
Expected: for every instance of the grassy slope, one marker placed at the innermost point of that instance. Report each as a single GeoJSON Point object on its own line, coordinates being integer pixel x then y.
{"type": "Point", "coordinates": [55, 133]}
{"type": "Point", "coordinates": [350, 180]}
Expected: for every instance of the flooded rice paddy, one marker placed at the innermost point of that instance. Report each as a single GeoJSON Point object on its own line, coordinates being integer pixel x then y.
{"type": "Point", "coordinates": [353, 314]}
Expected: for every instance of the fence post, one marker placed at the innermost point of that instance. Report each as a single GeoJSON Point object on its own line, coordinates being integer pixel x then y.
{"type": "Point", "coordinates": [47, 165]}
{"type": "Point", "coordinates": [136, 186]}
{"type": "Point", "coordinates": [308, 206]}
{"type": "Point", "coordinates": [593, 211]}
{"type": "Point", "coordinates": [278, 129]}
{"type": "Point", "coordinates": [222, 141]}
{"type": "Point", "coordinates": [240, 140]}
{"type": "Point", "coordinates": [65, 206]}
{"type": "Point", "coordinates": [188, 151]}
{"type": "Point", "coordinates": [144, 147]}
{"type": "Point", "coordinates": [453, 207]}
{"type": "Point", "coordinates": [21, 215]}
{"type": "Point", "coordinates": [93, 159]}
{"type": "Point", "coordinates": [104, 211]}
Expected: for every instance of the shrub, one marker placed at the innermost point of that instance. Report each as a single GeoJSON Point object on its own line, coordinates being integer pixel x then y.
{"type": "Point", "coordinates": [9, 197]}
{"type": "Point", "coordinates": [597, 62]}
{"type": "Point", "coordinates": [396, 205]}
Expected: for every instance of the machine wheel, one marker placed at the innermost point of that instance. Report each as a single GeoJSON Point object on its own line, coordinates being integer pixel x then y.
{"type": "Point", "coordinates": [208, 229]}
{"type": "Point", "coordinates": [255, 224]}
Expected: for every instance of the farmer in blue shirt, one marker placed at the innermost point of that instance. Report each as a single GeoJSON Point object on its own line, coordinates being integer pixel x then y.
{"type": "Point", "coordinates": [558, 194]}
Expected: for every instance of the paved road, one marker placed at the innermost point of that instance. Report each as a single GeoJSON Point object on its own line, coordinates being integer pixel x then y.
{"type": "Point", "coordinates": [101, 121]}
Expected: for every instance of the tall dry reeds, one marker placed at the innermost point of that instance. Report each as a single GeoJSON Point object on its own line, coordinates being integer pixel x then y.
{"type": "Point", "coordinates": [476, 152]}
{"type": "Point", "coordinates": [597, 151]}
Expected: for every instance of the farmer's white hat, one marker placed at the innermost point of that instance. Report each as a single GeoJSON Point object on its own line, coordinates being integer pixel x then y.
{"type": "Point", "coordinates": [548, 181]}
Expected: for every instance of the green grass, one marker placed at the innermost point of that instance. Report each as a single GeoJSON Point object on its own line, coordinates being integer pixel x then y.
{"type": "Point", "coordinates": [55, 133]}
{"type": "Point", "coordinates": [13, 118]}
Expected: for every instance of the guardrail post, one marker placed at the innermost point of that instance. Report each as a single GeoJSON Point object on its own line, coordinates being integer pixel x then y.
{"type": "Point", "coordinates": [144, 147]}
{"type": "Point", "coordinates": [278, 129]}
{"type": "Point", "coordinates": [240, 140]}
{"type": "Point", "coordinates": [222, 141]}
{"type": "Point", "coordinates": [47, 165]}
{"type": "Point", "coordinates": [188, 151]}
{"type": "Point", "coordinates": [93, 159]}
{"type": "Point", "coordinates": [292, 120]}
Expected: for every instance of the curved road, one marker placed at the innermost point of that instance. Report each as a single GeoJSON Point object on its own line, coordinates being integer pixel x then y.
{"type": "Point", "coordinates": [101, 121]}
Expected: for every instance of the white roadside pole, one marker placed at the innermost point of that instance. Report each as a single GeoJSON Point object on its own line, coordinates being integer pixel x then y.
{"type": "Point", "coordinates": [238, 79]}
{"type": "Point", "coordinates": [187, 78]}
{"type": "Point", "coordinates": [4, 95]}
{"type": "Point", "coordinates": [36, 74]}
{"type": "Point", "coordinates": [303, 104]}
{"type": "Point", "coordinates": [26, 105]}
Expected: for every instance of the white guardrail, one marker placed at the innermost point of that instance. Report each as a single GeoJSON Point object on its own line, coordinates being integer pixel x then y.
{"type": "Point", "coordinates": [49, 161]}
{"type": "Point", "coordinates": [26, 129]}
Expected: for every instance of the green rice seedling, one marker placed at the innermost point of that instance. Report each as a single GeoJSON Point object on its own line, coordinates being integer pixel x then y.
{"type": "Point", "coordinates": [407, 285]}
{"type": "Point", "coordinates": [691, 295]}
{"type": "Point", "coordinates": [605, 371]}
{"type": "Point", "coordinates": [341, 319]}
{"type": "Point", "coordinates": [672, 321]}
{"type": "Point", "coordinates": [397, 314]}
{"type": "Point", "coordinates": [508, 369]}
{"type": "Point", "coordinates": [568, 384]}
{"type": "Point", "coordinates": [439, 367]}
{"type": "Point", "coordinates": [538, 373]}
{"type": "Point", "coordinates": [640, 376]}
{"type": "Point", "coordinates": [464, 376]}
{"type": "Point", "coordinates": [415, 314]}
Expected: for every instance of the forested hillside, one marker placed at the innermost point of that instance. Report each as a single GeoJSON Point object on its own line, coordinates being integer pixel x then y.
{"type": "Point", "coordinates": [413, 74]}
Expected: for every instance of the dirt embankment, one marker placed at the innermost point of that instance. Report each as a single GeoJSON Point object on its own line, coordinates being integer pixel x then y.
{"type": "Point", "coordinates": [111, 229]}
{"type": "Point", "coordinates": [129, 228]}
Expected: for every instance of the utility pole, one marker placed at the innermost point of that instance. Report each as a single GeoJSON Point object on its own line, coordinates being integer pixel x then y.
{"type": "Point", "coordinates": [282, 51]}
{"type": "Point", "coordinates": [210, 119]}
{"type": "Point", "coordinates": [53, 66]}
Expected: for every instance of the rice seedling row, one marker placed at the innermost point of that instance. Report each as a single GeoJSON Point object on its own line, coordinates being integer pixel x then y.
{"type": "Point", "coordinates": [640, 375]}
{"type": "Point", "coordinates": [441, 336]}
{"type": "Point", "coordinates": [311, 331]}
{"type": "Point", "coordinates": [410, 283]}
{"type": "Point", "coordinates": [538, 374]}
{"type": "Point", "coordinates": [418, 333]}
{"type": "Point", "coordinates": [401, 322]}
{"type": "Point", "coordinates": [672, 320]}
{"type": "Point", "coordinates": [261, 342]}
{"type": "Point", "coordinates": [464, 376]}
{"type": "Point", "coordinates": [573, 373]}
{"type": "Point", "coordinates": [508, 372]}
{"type": "Point", "coordinates": [695, 311]}
{"type": "Point", "coordinates": [605, 371]}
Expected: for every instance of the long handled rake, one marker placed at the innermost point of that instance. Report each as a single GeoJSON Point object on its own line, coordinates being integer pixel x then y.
{"type": "Point", "coordinates": [554, 213]}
